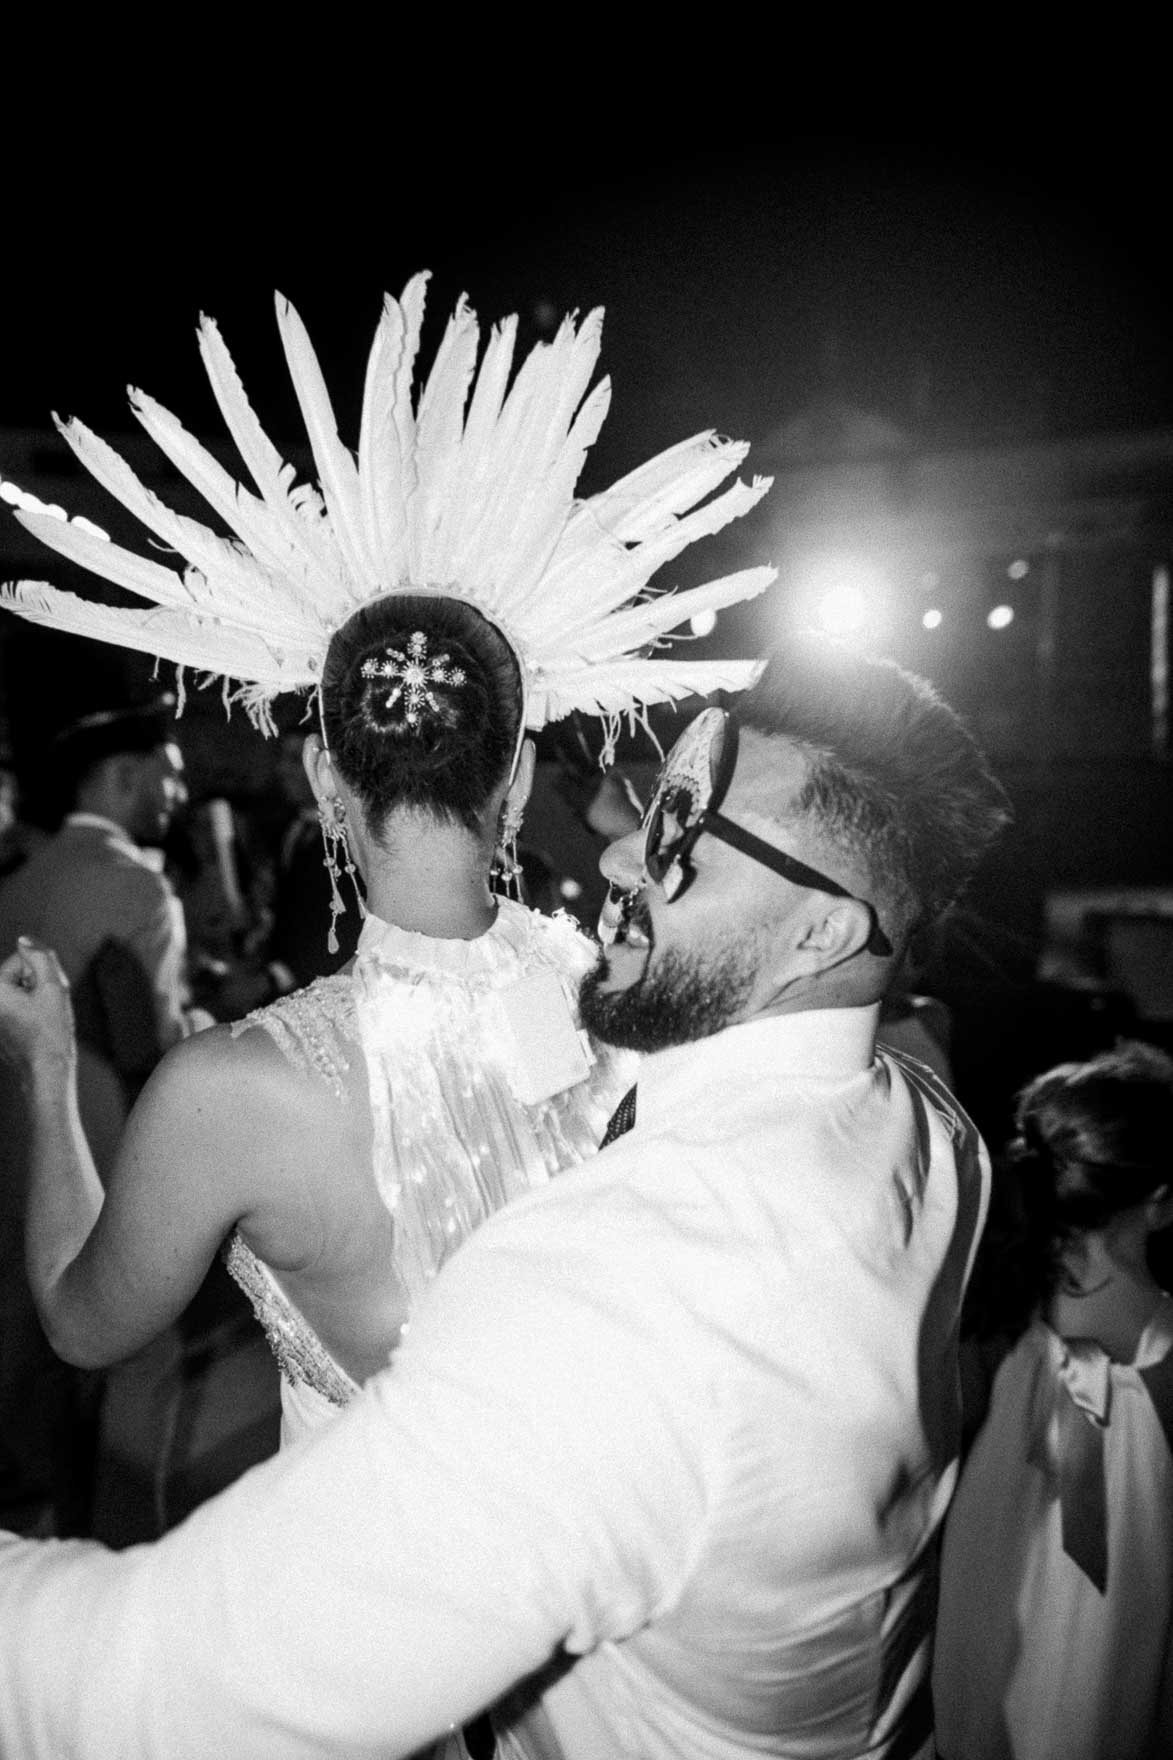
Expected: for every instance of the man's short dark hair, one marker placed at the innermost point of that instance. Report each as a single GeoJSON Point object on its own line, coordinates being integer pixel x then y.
{"type": "Point", "coordinates": [76, 752]}
{"type": "Point", "coordinates": [895, 777]}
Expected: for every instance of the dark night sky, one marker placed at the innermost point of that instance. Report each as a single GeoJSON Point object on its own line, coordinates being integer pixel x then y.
{"type": "Point", "coordinates": [996, 282]}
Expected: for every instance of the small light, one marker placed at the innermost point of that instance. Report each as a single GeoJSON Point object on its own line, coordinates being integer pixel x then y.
{"type": "Point", "coordinates": [570, 889]}
{"type": "Point", "coordinates": [703, 623]}
{"type": "Point", "coordinates": [932, 619]}
{"type": "Point", "coordinates": [17, 497]}
{"type": "Point", "coordinates": [1018, 570]}
{"type": "Point", "coordinates": [1001, 616]}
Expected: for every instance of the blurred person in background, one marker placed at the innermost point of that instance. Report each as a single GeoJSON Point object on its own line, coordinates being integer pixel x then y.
{"type": "Point", "coordinates": [1055, 1631]}
{"type": "Point", "coordinates": [226, 884]}
{"type": "Point", "coordinates": [17, 839]}
{"type": "Point", "coordinates": [96, 892]}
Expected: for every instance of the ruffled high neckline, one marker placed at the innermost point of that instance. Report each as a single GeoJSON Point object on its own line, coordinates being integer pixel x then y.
{"type": "Point", "coordinates": [509, 936]}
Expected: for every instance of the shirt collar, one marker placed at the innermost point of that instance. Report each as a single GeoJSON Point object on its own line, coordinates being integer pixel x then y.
{"type": "Point", "coordinates": [150, 858]}
{"type": "Point", "coordinates": [97, 822]}
{"type": "Point", "coordinates": [825, 1045]}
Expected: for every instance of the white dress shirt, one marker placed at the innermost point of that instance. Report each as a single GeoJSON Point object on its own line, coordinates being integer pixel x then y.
{"type": "Point", "coordinates": [668, 1441]}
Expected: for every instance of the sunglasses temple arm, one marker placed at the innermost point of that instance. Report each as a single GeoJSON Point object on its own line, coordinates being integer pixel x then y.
{"type": "Point", "coordinates": [792, 869]}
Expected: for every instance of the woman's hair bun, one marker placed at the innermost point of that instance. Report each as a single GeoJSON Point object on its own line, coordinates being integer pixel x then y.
{"type": "Point", "coordinates": [422, 707]}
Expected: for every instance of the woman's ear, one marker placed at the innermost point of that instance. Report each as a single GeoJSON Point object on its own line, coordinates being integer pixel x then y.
{"type": "Point", "coordinates": [318, 768]}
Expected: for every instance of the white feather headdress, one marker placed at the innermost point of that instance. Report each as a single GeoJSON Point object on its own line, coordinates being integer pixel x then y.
{"type": "Point", "coordinates": [471, 502]}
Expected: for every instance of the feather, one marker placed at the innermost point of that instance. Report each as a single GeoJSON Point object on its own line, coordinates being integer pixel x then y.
{"type": "Point", "coordinates": [264, 463]}
{"type": "Point", "coordinates": [337, 471]}
{"type": "Point", "coordinates": [484, 410]}
{"type": "Point", "coordinates": [165, 586]}
{"type": "Point", "coordinates": [240, 510]}
{"type": "Point", "coordinates": [653, 618]}
{"type": "Point", "coordinates": [204, 645]}
{"type": "Point", "coordinates": [577, 612]}
{"type": "Point", "coordinates": [380, 459]}
{"type": "Point", "coordinates": [465, 519]}
{"type": "Point", "coordinates": [531, 498]}
{"type": "Point", "coordinates": [223, 570]}
{"type": "Point", "coordinates": [611, 691]}
{"type": "Point", "coordinates": [439, 425]}
{"type": "Point", "coordinates": [558, 491]}
{"type": "Point", "coordinates": [648, 499]}
{"type": "Point", "coordinates": [412, 303]}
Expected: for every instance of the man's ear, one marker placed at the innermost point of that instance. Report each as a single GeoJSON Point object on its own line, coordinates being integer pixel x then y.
{"type": "Point", "coordinates": [837, 933]}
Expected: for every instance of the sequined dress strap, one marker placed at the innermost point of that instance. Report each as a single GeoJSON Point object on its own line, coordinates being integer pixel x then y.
{"type": "Point", "coordinates": [314, 1028]}
{"type": "Point", "coordinates": [300, 1354]}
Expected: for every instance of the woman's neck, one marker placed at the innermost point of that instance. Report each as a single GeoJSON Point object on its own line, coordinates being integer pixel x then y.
{"type": "Point", "coordinates": [433, 880]}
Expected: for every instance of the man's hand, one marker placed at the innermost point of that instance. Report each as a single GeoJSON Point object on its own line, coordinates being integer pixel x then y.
{"type": "Point", "coordinates": [36, 1015]}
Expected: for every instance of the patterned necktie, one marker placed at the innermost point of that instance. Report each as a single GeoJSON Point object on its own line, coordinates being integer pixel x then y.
{"type": "Point", "coordinates": [621, 1119]}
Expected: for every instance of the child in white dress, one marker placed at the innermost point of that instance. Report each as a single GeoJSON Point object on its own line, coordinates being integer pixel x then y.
{"type": "Point", "coordinates": [1055, 1633]}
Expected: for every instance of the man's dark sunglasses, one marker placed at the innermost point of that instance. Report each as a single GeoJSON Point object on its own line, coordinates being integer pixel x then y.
{"type": "Point", "coordinates": [690, 792]}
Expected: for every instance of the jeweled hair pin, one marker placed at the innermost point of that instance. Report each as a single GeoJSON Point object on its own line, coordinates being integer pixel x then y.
{"type": "Point", "coordinates": [411, 676]}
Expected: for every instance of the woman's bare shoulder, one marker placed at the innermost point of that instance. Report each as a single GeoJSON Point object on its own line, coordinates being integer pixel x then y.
{"type": "Point", "coordinates": [237, 1115]}
{"type": "Point", "coordinates": [234, 1071]}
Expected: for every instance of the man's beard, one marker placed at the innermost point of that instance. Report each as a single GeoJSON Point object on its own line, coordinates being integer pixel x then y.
{"type": "Point", "coordinates": [683, 997]}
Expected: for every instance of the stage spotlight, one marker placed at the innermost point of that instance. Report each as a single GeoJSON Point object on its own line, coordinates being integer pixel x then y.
{"type": "Point", "coordinates": [1001, 617]}
{"type": "Point", "coordinates": [843, 610]}
{"type": "Point", "coordinates": [932, 619]}
{"type": "Point", "coordinates": [845, 595]}
{"type": "Point", "coordinates": [703, 623]}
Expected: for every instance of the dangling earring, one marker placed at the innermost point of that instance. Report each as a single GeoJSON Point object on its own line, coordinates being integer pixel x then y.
{"type": "Point", "coordinates": [505, 872]}
{"type": "Point", "coordinates": [332, 821]}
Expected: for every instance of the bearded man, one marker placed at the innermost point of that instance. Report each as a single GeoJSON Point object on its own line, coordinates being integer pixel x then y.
{"type": "Point", "coordinates": [659, 1469]}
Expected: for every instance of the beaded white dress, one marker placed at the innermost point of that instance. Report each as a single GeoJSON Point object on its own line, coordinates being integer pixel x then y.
{"type": "Point", "coordinates": [453, 1138]}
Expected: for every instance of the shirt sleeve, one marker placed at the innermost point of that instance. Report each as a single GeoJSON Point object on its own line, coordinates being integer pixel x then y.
{"type": "Point", "coordinates": [523, 1480]}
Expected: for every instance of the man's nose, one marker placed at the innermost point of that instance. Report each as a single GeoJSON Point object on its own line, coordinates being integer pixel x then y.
{"type": "Point", "coordinates": [622, 862]}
